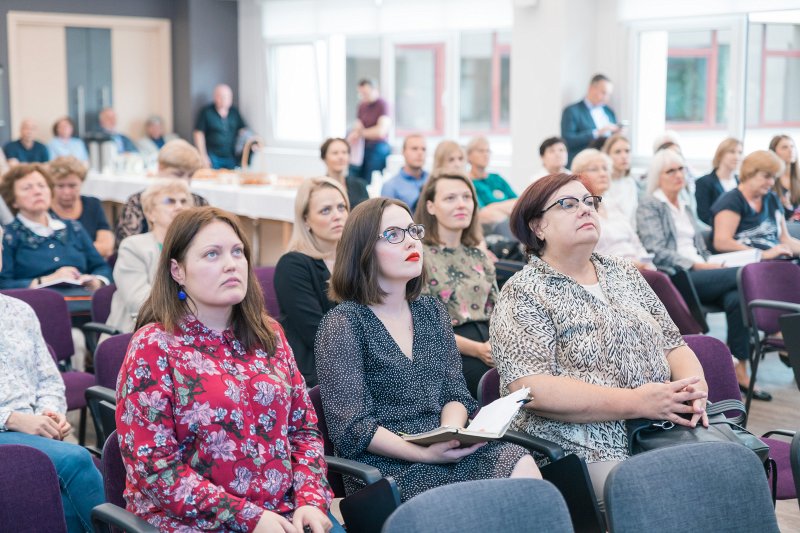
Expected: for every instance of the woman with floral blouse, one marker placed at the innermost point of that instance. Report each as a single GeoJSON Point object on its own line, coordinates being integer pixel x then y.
{"type": "Point", "coordinates": [215, 426]}
{"type": "Point", "coordinates": [459, 272]}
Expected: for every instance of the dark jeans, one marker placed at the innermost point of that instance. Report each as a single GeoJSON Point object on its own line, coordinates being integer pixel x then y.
{"type": "Point", "coordinates": [374, 159]}
{"type": "Point", "coordinates": [719, 287]}
{"type": "Point", "coordinates": [472, 367]}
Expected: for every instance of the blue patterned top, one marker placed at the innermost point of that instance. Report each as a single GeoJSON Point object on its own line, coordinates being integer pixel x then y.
{"type": "Point", "coordinates": [27, 256]}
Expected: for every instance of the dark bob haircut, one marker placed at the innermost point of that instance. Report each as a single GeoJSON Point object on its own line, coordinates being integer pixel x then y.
{"type": "Point", "coordinates": [529, 208]}
{"type": "Point", "coordinates": [550, 141]}
{"type": "Point", "coordinates": [356, 274]}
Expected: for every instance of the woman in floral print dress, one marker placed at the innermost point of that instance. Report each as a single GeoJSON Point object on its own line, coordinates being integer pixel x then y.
{"type": "Point", "coordinates": [459, 271]}
{"type": "Point", "coordinates": [215, 427]}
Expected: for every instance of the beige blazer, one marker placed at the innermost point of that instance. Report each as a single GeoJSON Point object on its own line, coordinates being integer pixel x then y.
{"type": "Point", "coordinates": [137, 260]}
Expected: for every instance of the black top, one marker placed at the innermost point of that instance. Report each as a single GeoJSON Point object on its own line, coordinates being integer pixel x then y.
{"type": "Point", "coordinates": [301, 284]}
{"type": "Point", "coordinates": [756, 229]}
{"type": "Point", "coordinates": [220, 132]}
{"type": "Point", "coordinates": [37, 153]}
{"type": "Point", "coordinates": [93, 218]}
{"type": "Point", "coordinates": [707, 190]}
{"type": "Point", "coordinates": [356, 190]}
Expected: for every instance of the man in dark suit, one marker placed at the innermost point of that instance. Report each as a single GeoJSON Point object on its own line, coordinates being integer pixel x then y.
{"type": "Point", "coordinates": [589, 119]}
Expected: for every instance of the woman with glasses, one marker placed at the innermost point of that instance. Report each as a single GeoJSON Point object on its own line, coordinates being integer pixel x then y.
{"type": "Point", "coordinates": [618, 236]}
{"type": "Point", "coordinates": [669, 231]}
{"type": "Point", "coordinates": [388, 363]}
{"type": "Point", "coordinates": [751, 215]}
{"type": "Point", "coordinates": [137, 259]}
{"type": "Point", "coordinates": [458, 271]}
{"type": "Point", "coordinates": [587, 334]}
{"type": "Point", "coordinates": [176, 159]}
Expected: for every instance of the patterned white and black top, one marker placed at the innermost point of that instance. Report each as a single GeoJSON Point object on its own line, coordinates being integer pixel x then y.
{"type": "Point", "coordinates": [547, 323]}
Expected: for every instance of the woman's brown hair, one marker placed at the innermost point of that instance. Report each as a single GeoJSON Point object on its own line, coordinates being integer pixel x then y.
{"type": "Point", "coordinates": [356, 274]}
{"type": "Point", "coordinates": [17, 173]}
{"type": "Point", "coordinates": [529, 207]}
{"type": "Point", "coordinates": [471, 236]}
{"type": "Point", "coordinates": [323, 150]}
{"type": "Point", "coordinates": [794, 178]}
{"type": "Point", "coordinates": [249, 320]}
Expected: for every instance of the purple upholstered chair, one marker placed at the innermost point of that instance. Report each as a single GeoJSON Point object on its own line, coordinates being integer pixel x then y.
{"type": "Point", "coordinates": [768, 291]}
{"type": "Point", "coordinates": [51, 310]}
{"type": "Point", "coordinates": [30, 498]}
{"type": "Point", "coordinates": [101, 308]}
{"type": "Point", "coordinates": [676, 306]}
{"type": "Point", "coordinates": [266, 278]}
{"type": "Point", "coordinates": [717, 363]}
{"type": "Point", "coordinates": [113, 513]}
{"type": "Point", "coordinates": [489, 387]}
{"type": "Point", "coordinates": [108, 359]}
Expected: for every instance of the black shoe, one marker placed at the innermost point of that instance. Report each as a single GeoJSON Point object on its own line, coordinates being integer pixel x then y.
{"type": "Point", "coordinates": [785, 358]}
{"type": "Point", "coordinates": [758, 394]}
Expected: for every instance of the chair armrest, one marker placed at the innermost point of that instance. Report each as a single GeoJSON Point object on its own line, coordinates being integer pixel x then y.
{"type": "Point", "coordinates": [551, 450]}
{"type": "Point", "coordinates": [784, 432]}
{"type": "Point", "coordinates": [367, 474]}
{"type": "Point", "coordinates": [774, 304]}
{"type": "Point", "coordinates": [366, 510]}
{"type": "Point", "coordinates": [98, 327]}
{"type": "Point", "coordinates": [109, 514]}
{"type": "Point", "coordinates": [101, 393]}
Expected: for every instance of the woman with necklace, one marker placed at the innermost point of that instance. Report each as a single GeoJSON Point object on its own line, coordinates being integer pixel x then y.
{"type": "Point", "coordinates": [301, 276]}
{"type": "Point", "coordinates": [387, 362]}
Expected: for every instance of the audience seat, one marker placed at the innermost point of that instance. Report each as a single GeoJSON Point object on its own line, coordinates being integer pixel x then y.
{"type": "Point", "coordinates": [484, 505]}
{"type": "Point", "coordinates": [695, 487]}
{"type": "Point", "coordinates": [567, 472]}
{"type": "Point", "coordinates": [108, 361]}
{"type": "Point", "coordinates": [101, 308]}
{"type": "Point", "coordinates": [30, 497]}
{"type": "Point", "coordinates": [266, 278]}
{"type": "Point", "coordinates": [768, 290]}
{"type": "Point", "coordinates": [717, 363]}
{"type": "Point", "coordinates": [673, 301]}
{"type": "Point", "coordinates": [112, 516]}
{"type": "Point", "coordinates": [51, 310]}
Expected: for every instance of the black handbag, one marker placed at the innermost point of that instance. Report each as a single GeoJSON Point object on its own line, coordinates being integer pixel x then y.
{"type": "Point", "coordinates": [645, 434]}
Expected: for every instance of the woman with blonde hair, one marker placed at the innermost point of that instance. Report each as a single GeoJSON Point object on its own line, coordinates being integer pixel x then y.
{"type": "Point", "coordinates": [301, 276]}
{"type": "Point", "coordinates": [137, 259]}
{"type": "Point", "coordinates": [449, 157]}
{"type": "Point", "coordinates": [176, 159]}
{"type": "Point", "coordinates": [458, 270]}
{"type": "Point", "coordinates": [216, 429]}
{"type": "Point", "coordinates": [624, 188]}
{"type": "Point", "coordinates": [68, 203]}
{"type": "Point", "coordinates": [722, 178]}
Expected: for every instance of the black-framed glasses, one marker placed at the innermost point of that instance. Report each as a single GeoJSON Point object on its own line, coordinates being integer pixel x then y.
{"type": "Point", "coordinates": [570, 203]}
{"type": "Point", "coordinates": [396, 235]}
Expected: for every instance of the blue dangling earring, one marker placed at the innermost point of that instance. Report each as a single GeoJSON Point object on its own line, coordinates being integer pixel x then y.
{"type": "Point", "coordinates": [181, 294]}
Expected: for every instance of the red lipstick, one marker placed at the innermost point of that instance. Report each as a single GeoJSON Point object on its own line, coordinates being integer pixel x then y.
{"type": "Point", "coordinates": [413, 256]}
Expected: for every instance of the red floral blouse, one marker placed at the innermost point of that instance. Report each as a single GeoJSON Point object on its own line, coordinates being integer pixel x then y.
{"type": "Point", "coordinates": [212, 435]}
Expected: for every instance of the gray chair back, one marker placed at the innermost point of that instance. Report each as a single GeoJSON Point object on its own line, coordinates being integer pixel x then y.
{"type": "Point", "coordinates": [696, 487]}
{"type": "Point", "coordinates": [484, 505]}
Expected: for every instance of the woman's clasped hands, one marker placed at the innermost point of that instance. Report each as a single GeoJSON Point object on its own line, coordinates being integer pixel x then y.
{"type": "Point", "coordinates": [671, 400]}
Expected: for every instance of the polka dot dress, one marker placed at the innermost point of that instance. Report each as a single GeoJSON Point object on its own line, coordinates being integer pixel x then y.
{"type": "Point", "coordinates": [366, 381]}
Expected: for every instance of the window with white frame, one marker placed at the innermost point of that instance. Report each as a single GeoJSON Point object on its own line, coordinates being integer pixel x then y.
{"type": "Point", "coordinates": [297, 91]}
{"type": "Point", "coordinates": [484, 87]}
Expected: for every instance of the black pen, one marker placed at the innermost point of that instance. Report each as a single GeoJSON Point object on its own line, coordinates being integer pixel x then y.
{"type": "Point", "coordinates": [525, 401]}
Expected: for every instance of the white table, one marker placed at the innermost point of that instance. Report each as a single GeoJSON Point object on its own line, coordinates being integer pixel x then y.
{"type": "Point", "coordinates": [268, 209]}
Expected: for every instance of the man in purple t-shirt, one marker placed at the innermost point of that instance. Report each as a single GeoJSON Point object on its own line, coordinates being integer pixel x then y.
{"type": "Point", "coordinates": [372, 124]}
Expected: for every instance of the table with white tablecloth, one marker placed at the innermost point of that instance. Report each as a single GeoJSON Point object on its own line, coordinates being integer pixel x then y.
{"type": "Point", "coordinates": [267, 211]}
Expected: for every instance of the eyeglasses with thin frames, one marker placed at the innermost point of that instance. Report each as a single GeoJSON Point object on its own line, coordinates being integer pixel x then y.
{"type": "Point", "coordinates": [396, 235]}
{"type": "Point", "coordinates": [570, 203]}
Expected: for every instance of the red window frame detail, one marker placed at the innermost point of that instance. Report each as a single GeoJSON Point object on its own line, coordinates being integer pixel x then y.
{"type": "Point", "coordinates": [712, 56]}
{"type": "Point", "coordinates": [762, 122]}
{"type": "Point", "coordinates": [439, 74]}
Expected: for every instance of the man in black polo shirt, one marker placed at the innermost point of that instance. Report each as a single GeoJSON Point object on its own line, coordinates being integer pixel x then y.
{"type": "Point", "coordinates": [26, 149]}
{"type": "Point", "coordinates": [217, 128]}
